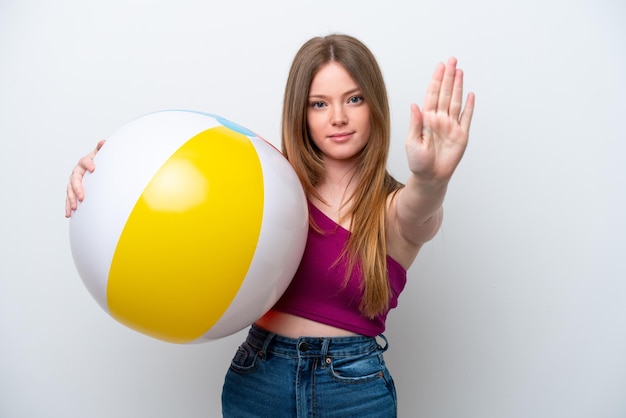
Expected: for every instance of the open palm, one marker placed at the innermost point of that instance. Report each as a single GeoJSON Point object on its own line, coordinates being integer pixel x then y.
{"type": "Point", "coordinates": [438, 134]}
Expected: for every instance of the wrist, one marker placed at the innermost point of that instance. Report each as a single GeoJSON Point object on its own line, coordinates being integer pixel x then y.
{"type": "Point", "coordinates": [425, 186]}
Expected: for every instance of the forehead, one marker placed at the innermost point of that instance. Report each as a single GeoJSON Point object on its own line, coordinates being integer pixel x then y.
{"type": "Point", "coordinates": [332, 77]}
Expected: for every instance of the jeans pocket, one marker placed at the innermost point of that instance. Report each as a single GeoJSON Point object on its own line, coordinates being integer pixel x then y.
{"type": "Point", "coordinates": [245, 360]}
{"type": "Point", "coordinates": [361, 368]}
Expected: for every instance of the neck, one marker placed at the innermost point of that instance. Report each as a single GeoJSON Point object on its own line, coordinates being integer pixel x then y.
{"type": "Point", "coordinates": [339, 174]}
{"type": "Point", "coordinates": [336, 189]}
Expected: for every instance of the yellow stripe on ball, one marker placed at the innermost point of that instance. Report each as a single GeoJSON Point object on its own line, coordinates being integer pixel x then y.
{"type": "Point", "coordinates": [191, 236]}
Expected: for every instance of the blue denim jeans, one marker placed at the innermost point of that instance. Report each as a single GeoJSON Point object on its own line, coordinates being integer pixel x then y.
{"type": "Point", "coordinates": [274, 376]}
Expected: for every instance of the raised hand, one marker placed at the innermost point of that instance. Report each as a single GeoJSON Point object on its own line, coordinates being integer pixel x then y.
{"type": "Point", "coordinates": [75, 192]}
{"type": "Point", "coordinates": [438, 134]}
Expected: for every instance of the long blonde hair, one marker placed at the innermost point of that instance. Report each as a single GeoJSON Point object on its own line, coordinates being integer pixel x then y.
{"type": "Point", "coordinates": [366, 246]}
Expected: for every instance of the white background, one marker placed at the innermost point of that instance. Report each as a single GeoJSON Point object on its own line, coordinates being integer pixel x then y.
{"type": "Point", "coordinates": [516, 309]}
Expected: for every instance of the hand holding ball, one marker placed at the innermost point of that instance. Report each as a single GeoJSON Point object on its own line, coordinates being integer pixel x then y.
{"type": "Point", "coordinates": [192, 226]}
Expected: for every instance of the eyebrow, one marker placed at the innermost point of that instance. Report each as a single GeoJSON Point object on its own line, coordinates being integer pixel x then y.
{"type": "Point", "coordinates": [323, 96]}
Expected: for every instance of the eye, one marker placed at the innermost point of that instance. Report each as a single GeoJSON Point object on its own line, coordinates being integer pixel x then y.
{"type": "Point", "coordinates": [317, 105]}
{"type": "Point", "coordinates": [355, 99]}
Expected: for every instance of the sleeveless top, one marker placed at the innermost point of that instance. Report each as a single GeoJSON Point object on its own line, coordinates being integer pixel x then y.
{"type": "Point", "coordinates": [318, 290]}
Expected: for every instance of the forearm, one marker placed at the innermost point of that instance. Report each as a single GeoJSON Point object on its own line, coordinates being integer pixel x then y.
{"type": "Point", "coordinates": [419, 208]}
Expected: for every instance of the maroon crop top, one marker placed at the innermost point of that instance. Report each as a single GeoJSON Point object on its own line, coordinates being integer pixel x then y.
{"type": "Point", "coordinates": [317, 291]}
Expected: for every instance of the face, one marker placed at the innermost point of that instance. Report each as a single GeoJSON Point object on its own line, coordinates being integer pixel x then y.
{"type": "Point", "coordinates": [338, 118]}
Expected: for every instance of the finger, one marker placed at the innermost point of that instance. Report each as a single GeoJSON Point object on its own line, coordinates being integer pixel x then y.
{"type": "Point", "coordinates": [75, 187]}
{"type": "Point", "coordinates": [99, 145]}
{"type": "Point", "coordinates": [468, 112]}
{"type": "Point", "coordinates": [447, 85]}
{"type": "Point", "coordinates": [432, 94]}
{"type": "Point", "coordinates": [456, 101]}
{"type": "Point", "coordinates": [68, 208]}
{"type": "Point", "coordinates": [416, 121]}
{"type": "Point", "coordinates": [86, 164]}
{"type": "Point", "coordinates": [87, 161]}
{"type": "Point", "coordinates": [70, 201]}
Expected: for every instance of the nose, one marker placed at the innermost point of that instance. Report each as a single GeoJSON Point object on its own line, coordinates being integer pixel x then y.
{"type": "Point", "coordinates": [338, 116]}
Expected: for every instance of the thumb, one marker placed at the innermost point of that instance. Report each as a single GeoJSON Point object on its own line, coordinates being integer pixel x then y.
{"type": "Point", "coordinates": [416, 122]}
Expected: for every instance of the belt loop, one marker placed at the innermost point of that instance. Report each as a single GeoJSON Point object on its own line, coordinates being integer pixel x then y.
{"type": "Point", "coordinates": [268, 339]}
{"type": "Point", "coordinates": [325, 345]}
{"type": "Point", "coordinates": [386, 343]}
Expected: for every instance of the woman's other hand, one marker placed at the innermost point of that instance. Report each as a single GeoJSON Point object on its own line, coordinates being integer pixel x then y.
{"type": "Point", "coordinates": [75, 192]}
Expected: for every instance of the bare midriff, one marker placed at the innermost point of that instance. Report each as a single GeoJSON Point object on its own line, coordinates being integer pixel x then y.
{"type": "Point", "coordinates": [293, 326]}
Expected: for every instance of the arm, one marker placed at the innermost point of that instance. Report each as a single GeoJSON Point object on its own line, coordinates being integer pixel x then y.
{"type": "Point", "coordinates": [436, 142]}
{"type": "Point", "coordinates": [75, 192]}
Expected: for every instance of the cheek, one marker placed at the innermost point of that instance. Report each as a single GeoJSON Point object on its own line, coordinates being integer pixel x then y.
{"type": "Point", "coordinates": [365, 120]}
{"type": "Point", "coordinates": [313, 126]}
{"type": "Point", "coordinates": [366, 126]}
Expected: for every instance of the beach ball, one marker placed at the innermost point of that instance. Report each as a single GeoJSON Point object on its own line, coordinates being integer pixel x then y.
{"type": "Point", "coordinates": [191, 228]}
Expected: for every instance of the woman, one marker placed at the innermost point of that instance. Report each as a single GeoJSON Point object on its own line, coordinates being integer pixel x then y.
{"type": "Point", "coordinates": [315, 353]}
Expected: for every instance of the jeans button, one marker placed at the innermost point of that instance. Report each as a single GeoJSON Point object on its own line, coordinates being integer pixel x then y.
{"type": "Point", "coordinates": [303, 347]}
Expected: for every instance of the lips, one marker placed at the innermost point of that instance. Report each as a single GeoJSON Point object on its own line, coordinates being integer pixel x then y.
{"type": "Point", "coordinates": [341, 136]}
